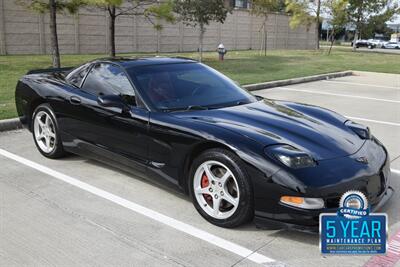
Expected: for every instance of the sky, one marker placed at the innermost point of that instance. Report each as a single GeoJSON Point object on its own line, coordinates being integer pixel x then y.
{"type": "Point", "coordinates": [396, 21]}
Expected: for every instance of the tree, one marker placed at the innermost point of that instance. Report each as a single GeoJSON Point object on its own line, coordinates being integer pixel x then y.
{"type": "Point", "coordinates": [201, 13]}
{"type": "Point", "coordinates": [363, 11]}
{"type": "Point", "coordinates": [263, 8]}
{"type": "Point", "coordinates": [377, 25]}
{"type": "Point", "coordinates": [52, 7]}
{"type": "Point", "coordinates": [337, 11]}
{"type": "Point", "coordinates": [305, 12]}
{"type": "Point", "coordinates": [152, 10]}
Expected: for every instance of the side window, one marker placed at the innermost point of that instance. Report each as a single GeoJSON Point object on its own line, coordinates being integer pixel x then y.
{"type": "Point", "coordinates": [76, 76]}
{"type": "Point", "coordinates": [108, 79]}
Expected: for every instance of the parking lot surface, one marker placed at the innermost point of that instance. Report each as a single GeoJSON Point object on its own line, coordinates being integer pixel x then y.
{"type": "Point", "coordinates": [75, 212]}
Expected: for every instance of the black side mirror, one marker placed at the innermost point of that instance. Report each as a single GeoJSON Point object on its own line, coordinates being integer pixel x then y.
{"type": "Point", "coordinates": [112, 101]}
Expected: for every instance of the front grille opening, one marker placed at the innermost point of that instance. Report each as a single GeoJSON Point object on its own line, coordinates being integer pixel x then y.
{"type": "Point", "coordinates": [332, 203]}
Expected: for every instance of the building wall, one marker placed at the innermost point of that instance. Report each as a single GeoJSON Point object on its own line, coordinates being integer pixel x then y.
{"type": "Point", "coordinates": [25, 32]}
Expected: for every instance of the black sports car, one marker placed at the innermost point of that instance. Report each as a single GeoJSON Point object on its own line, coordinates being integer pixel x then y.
{"type": "Point", "coordinates": [179, 122]}
{"type": "Point", "coordinates": [364, 43]}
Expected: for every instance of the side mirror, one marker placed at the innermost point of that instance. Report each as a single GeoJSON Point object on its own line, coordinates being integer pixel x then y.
{"type": "Point", "coordinates": [112, 101]}
{"type": "Point", "coordinates": [259, 98]}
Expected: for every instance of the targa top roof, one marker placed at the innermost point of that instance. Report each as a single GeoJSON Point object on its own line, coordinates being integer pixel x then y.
{"type": "Point", "coordinates": [128, 62]}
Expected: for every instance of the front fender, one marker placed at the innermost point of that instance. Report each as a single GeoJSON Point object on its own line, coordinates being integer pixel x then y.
{"type": "Point", "coordinates": [174, 140]}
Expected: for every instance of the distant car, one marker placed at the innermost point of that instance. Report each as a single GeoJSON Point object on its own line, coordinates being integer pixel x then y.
{"type": "Point", "coordinates": [391, 45]}
{"type": "Point", "coordinates": [364, 43]}
{"type": "Point", "coordinates": [378, 42]}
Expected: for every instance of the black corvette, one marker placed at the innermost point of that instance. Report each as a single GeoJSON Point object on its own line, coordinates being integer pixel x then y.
{"type": "Point", "coordinates": [179, 122]}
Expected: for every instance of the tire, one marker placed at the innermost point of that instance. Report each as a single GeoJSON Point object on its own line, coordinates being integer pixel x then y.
{"type": "Point", "coordinates": [237, 188]}
{"type": "Point", "coordinates": [45, 130]}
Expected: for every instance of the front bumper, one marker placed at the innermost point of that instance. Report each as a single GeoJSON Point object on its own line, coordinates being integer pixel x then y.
{"type": "Point", "coordinates": [329, 181]}
{"type": "Point", "coordinates": [307, 221]}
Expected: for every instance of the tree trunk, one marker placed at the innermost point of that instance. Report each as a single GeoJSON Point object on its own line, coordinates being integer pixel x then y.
{"type": "Point", "coordinates": [317, 20]}
{"type": "Point", "coordinates": [55, 52]}
{"type": "Point", "coordinates": [111, 12]}
{"type": "Point", "coordinates": [332, 39]}
{"type": "Point", "coordinates": [201, 37]}
{"type": "Point", "coordinates": [358, 26]}
{"type": "Point", "coordinates": [265, 37]}
{"type": "Point", "coordinates": [355, 39]}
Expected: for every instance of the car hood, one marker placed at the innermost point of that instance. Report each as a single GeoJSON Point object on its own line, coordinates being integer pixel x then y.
{"type": "Point", "coordinates": [320, 132]}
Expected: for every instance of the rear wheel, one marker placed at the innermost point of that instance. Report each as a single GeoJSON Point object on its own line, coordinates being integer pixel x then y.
{"type": "Point", "coordinates": [220, 188]}
{"type": "Point", "coordinates": [45, 132]}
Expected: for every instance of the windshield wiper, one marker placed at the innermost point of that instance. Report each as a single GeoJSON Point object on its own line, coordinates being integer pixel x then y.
{"type": "Point", "coordinates": [196, 107]}
{"type": "Point", "coordinates": [192, 107]}
{"type": "Point", "coordinates": [230, 104]}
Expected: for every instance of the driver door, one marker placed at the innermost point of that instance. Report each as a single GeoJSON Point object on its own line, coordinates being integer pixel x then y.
{"type": "Point", "coordinates": [120, 135]}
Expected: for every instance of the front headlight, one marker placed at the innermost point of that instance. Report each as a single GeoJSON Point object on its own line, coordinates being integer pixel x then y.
{"type": "Point", "coordinates": [290, 156]}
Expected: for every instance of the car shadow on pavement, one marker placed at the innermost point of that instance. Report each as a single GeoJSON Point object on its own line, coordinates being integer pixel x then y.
{"type": "Point", "coordinates": [165, 186]}
{"type": "Point", "coordinates": [298, 236]}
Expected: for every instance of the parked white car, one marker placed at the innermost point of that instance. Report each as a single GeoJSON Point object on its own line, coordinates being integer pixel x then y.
{"type": "Point", "coordinates": [377, 42]}
{"type": "Point", "coordinates": [391, 45]}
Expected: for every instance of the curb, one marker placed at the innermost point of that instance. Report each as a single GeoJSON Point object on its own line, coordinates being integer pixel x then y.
{"type": "Point", "coordinates": [267, 85]}
{"type": "Point", "coordinates": [14, 124]}
{"type": "Point", "coordinates": [10, 124]}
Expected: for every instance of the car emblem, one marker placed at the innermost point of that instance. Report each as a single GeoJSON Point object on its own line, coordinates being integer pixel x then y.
{"type": "Point", "coordinates": [363, 160]}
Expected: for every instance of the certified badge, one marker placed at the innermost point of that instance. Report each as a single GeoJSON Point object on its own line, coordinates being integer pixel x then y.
{"type": "Point", "coordinates": [353, 229]}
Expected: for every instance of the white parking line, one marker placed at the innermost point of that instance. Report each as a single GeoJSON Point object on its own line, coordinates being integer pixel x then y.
{"type": "Point", "coordinates": [178, 225]}
{"type": "Point", "coordinates": [341, 95]}
{"type": "Point", "coordinates": [364, 84]}
{"type": "Point", "coordinates": [375, 121]}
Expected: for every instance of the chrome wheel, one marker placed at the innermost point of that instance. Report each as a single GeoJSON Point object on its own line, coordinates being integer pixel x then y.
{"type": "Point", "coordinates": [44, 132]}
{"type": "Point", "coordinates": [216, 189]}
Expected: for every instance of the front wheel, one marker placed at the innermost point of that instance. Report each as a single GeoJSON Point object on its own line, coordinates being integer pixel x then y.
{"type": "Point", "coordinates": [45, 132]}
{"type": "Point", "coordinates": [220, 188]}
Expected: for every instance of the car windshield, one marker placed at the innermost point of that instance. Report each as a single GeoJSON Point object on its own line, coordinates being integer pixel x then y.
{"type": "Point", "coordinates": [187, 86]}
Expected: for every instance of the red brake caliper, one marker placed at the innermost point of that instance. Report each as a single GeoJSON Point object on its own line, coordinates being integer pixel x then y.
{"type": "Point", "coordinates": [204, 183]}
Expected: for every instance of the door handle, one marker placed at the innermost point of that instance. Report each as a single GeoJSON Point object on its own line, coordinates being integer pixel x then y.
{"type": "Point", "coordinates": [74, 100]}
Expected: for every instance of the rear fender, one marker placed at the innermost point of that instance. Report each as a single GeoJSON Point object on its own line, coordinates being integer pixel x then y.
{"type": "Point", "coordinates": [27, 98]}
